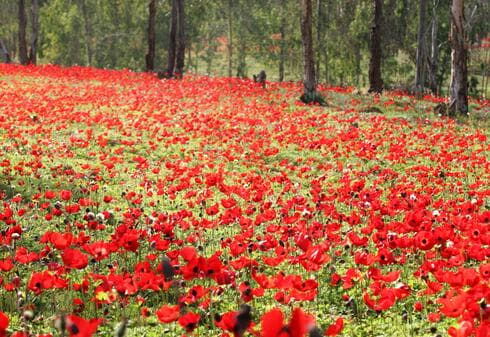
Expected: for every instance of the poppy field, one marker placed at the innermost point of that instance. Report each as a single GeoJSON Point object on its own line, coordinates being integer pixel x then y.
{"type": "Point", "coordinates": [133, 206]}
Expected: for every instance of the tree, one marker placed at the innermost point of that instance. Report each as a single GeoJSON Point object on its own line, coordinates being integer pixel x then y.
{"type": "Point", "coordinates": [176, 44]}
{"type": "Point", "coordinates": [87, 24]}
{"type": "Point", "coordinates": [150, 57]}
{"type": "Point", "coordinates": [310, 94]}
{"type": "Point", "coordinates": [34, 30]}
{"type": "Point", "coordinates": [458, 103]}
{"type": "Point", "coordinates": [23, 58]}
{"type": "Point", "coordinates": [180, 39]}
{"type": "Point", "coordinates": [434, 50]}
{"type": "Point", "coordinates": [230, 37]}
{"type": "Point", "coordinates": [4, 52]}
{"type": "Point", "coordinates": [375, 81]}
{"type": "Point", "coordinates": [421, 65]}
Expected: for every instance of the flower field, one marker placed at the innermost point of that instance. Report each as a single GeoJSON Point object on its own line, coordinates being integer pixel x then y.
{"type": "Point", "coordinates": [133, 206]}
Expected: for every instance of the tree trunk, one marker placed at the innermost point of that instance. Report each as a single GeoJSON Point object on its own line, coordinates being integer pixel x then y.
{"type": "Point", "coordinates": [172, 41]}
{"type": "Point", "coordinates": [307, 42]}
{"type": "Point", "coordinates": [357, 58]}
{"type": "Point", "coordinates": [242, 59]}
{"type": "Point", "coordinates": [319, 35]}
{"type": "Point", "coordinates": [434, 51]}
{"type": "Point", "coordinates": [35, 31]}
{"type": "Point", "coordinates": [282, 31]}
{"type": "Point", "coordinates": [375, 81]}
{"type": "Point", "coordinates": [180, 40]}
{"type": "Point", "coordinates": [4, 52]}
{"type": "Point", "coordinates": [459, 57]}
{"type": "Point", "coordinates": [230, 38]}
{"type": "Point", "coordinates": [325, 47]}
{"type": "Point", "coordinates": [22, 33]}
{"type": "Point", "coordinates": [485, 74]}
{"type": "Point", "coordinates": [421, 48]}
{"type": "Point", "coordinates": [88, 31]}
{"type": "Point", "coordinates": [150, 57]}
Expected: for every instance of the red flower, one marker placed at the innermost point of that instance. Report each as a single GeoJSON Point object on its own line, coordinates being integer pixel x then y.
{"type": "Point", "coordinates": [49, 194]}
{"type": "Point", "coordinates": [336, 328]}
{"type": "Point", "coordinates": [273, 324]}
{"type": "Point", "coordinates": [6, 265]}
{"type": "Point", "coordinates": [424, 240]}
{"type": "Point", "coordinates": [168, 313]}
{"type": "Point", "coordinates": [4, 323]}
{"type": "Point", "coordinates": [235, 321]}
{"type": "Point", "coordinates": [65, 195]}
{"type": "Point", "coordinates": [465, 329]}
{"type": "Point", "coordinates": [73, 258]}
{"type": "Point", "coordinates": [79, 327]}
{"type": "Point", "coordinates": [189, 321]}
{"type": "Point", "coordinates": [452, 306]}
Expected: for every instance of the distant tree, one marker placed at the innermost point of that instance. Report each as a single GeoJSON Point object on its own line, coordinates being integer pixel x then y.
{"type": "Point", "coordinates": [180, 39]}
{"type": "Point", "coordinates": [87, 25]}
{"type": "Point", "coordinates": [434, 50]}
{"type": "Point", "coordinates": [150, 57]}
{"type": "Point", "coordinates": [375, 81]}
{"type": "Point", "coordinates": [34, 30]}
{"type": "Point", "coordinates": [4, 52]}
{"type": "Point", "coordinates": [421, 62]}
{"type": "Point", "coordinates": [23, 58]}
{"type": "Point", "coordinates": [176, 44]}
{"type": "Point", "coordinates": [458, 103]}
{"type": "Point", "coordinates": [310, 94]}
{"type": "Point", "coordinates": [307, 41]}
{"type": "Point", "coordinates": [230, 37]}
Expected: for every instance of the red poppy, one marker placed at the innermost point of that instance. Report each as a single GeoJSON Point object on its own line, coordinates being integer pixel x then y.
{"type": "Point", "coordinates": [80, 327]}
{"type": "Point", "coordinates": [65, 195]}
{"type": "Point", "coordinates": [273, 324]}
{"type": "Point", "coordinates": [189, 321]}
{"type": "Point", "coordinates": [336, 328]}
{"type": "Point", "coordinates": [236, 321]}
{"type": "Point", "coordinates": [74, 258]}
{"type": "Point", "coordinates": [4, 323]}
{"type": "Point", "coordinates": [6, 265]}
{"type": "Point", "coordinates": [465, 329]}
{"type": "Point", "coordinates": [168, 313]}
{"type": "Point", "coordinates": [452, 306]}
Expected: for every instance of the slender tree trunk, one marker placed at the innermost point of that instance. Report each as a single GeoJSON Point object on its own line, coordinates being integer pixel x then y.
{"type": "Point", "coordinates": [357, 57]}
{"type": "Point", "coordinates": [172, 41]}
{"type": "Point", "coordinates": [242, 59]}
{"type": "Point", "coordinates": [150, 57]}
{"type": "Point", "coordinates": [307, 41]}
{"type": "Point", "coordinates": [189, 55]}
{"type": "Point", "coordinates": [34, 30]}
{"type": "Point", "coordinates": [180, 40]}
{"type": "Point", "coordinates": [434, 51]}
{"type": "Point", "coordinates": [282, 31]}
{"type": "Point", "coordinates": [375, 81]}
{"type": "Point", "coordinates": [230, 37]}
{"type": "Point", "coordinates": [485, 74]}
{"type": "Point", "coordinates": [421, 48]}
{"type": "Point", "coordinates": [459, 58]}
{"type": "Point", "coordinates": [325, 47]}
{"type": "Point", "coordinates": [196, 57]}
{"type": "Point", "coordinates": [88, 31]}
{"type": "Point", "coordinates": [4, 52]}
{"type": "Point", "coordinates": [23, 58]}
{"type": "Point", "coordinates": [402, 26]}
{"type": "Point", "coordinates": [319, 35]}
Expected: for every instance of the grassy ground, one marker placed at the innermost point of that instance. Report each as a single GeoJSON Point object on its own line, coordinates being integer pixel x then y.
{"type": "Point", "coordinates": [252, 196]}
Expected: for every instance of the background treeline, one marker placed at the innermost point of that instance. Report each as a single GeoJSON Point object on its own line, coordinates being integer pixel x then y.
{"type": "Point", "coordinates": [240, 37]}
